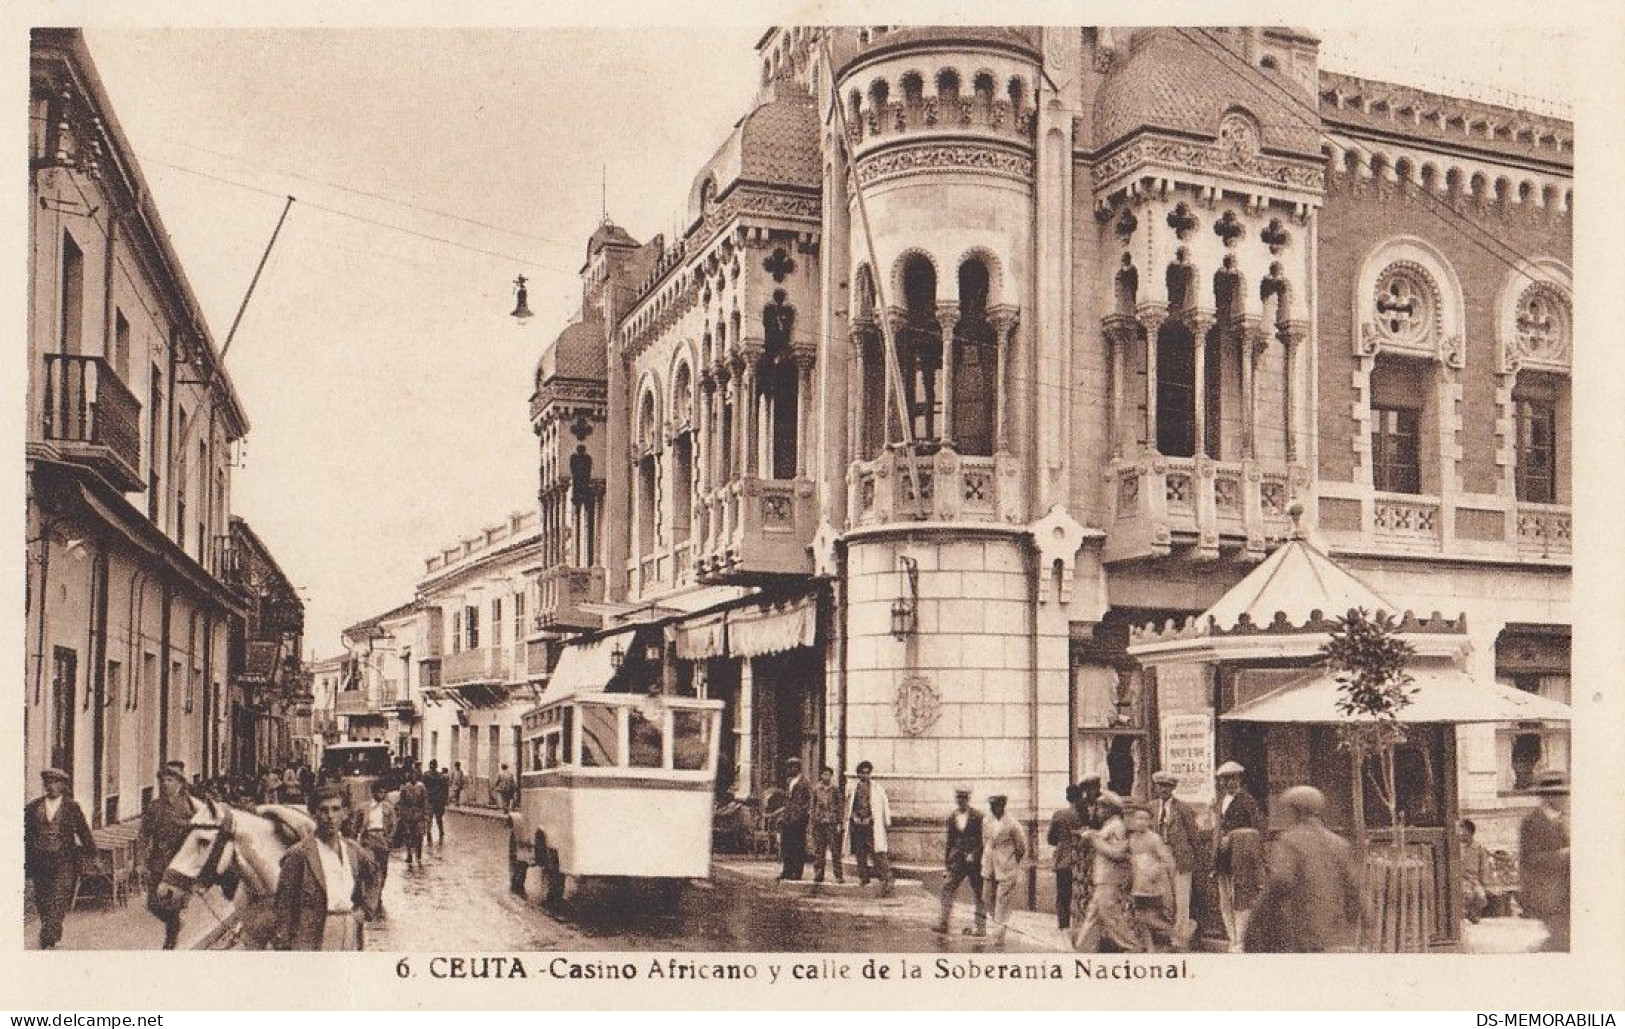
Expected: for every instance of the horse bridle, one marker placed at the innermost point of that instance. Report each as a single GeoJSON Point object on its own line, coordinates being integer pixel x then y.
{"type": "Point", "coordinates": [207, 874]}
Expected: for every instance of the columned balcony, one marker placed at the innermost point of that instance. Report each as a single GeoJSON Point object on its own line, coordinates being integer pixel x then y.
{"type": "Point", "coordinates": [560, 593]}
{"type": "Point", "coordinates": [941, 487]}
{"type": "Point", "coordinates": [92, 418]}
{"type": "Point", "coordinates": [1161, 504]}
{"type": "Point", "coordinates": [757, 528]}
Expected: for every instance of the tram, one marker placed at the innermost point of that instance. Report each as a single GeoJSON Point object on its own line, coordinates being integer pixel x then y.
{"type": "Point", "coordinates": [613, 784]}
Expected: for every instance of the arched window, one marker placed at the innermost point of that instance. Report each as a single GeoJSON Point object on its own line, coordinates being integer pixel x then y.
{"type": "Point", "coordinates": [974, 364]}
{"type": "Point", "coordinates": [919, 349]}
{"type": "Point", "coordinates": [1176, 391]}
{"type": "Point", "coordinates": [913, 87]}
{"type": "Point", "coordinates": [777, 385]}
{"type": "Point", "coordinates": [648, 474]}
{"type": "Point", "coordinates": [982, 86]}
{"type": "Point", "coordinates": [682, 451]}
{"type": "Point", "coordinates": [948, 84]}
{"type": "Point", "coordinates": [1018, 93]}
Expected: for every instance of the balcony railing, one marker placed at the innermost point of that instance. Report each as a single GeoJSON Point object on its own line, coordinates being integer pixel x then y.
{"type": "Point", "coordinates": [1158, 503]}
{"type": "Point", "coordinates": [940, 487]}
{"type": "Point", "coordinates": [481, 665]}
{"type": "Point", "coordinates": [1404, 522]}
{"type": "Point", "coordinates": [93, 417]}
{"type": "Point", "coordinates": [560, 592]}
{"type": "Point", "coordinates": [754, 528]}
{"type": "Point", "coordinates": [1545, 530]}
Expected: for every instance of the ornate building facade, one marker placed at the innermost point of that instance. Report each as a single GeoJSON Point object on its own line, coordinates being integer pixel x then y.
{"type": "Point", "coordinates": [983, 345]}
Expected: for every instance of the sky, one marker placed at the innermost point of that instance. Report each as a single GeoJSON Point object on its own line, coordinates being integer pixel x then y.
{"type": "Point", "coordinates": [387, 387]}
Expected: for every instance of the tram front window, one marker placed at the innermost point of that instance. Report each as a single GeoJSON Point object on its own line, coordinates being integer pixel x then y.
{"type": "Point", "coordinates": [644, 740]}
{"type": "Point", "coordinates": [600, 736]}
{"type": "Point", "coordinates": [690, 739]}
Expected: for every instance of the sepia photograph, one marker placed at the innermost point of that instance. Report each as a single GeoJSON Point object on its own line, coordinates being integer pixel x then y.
{"type": "Point", "coordinates": [1082, 499]}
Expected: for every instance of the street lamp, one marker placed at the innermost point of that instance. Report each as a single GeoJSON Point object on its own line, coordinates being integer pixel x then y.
{"type": "Point", "coordinates": [905, 609]}
{"type": "Point", "coordinates": [521, 307]}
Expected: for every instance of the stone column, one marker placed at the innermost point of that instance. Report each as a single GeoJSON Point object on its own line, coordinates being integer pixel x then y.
{"type": "Point", "coordinates": [1005, 319]}
{"type": "Point", "coordinates": [1291, 335]}
{"type": "Point", "coordinates": [947, 320]}
{"type": "Point", "coordinates": [751, 458]}
{"type": "Point", "coordinates": [897, 321]}
{"type": "Point", "coordinates": [1151, 317]}
{"type": "Point", "coordinates": [804, 402]}
{"type": "Point", "coordinates": [1120, 332]}
{"type": "Point", "coordinates": [857, 409]}
{"type": "Point", "coordinates": [1253, 341]}
{"type": "Point", "coordinates": [1199, 322]}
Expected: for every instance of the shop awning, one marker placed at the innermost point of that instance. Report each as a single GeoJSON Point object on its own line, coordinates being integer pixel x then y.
{"type": "Point", "coordinates": [585, 667]}
{"type": "Point", "coordinates": [703, 638]}
{"type": "Point", "coordinates": [755, 631]}
{"type": "Point", "coordinates": [1447, 695]}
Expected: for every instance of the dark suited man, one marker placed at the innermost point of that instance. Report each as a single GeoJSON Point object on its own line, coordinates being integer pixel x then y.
{"type": "Point", "coordinates": [1310, 902]}
{"type": "Point", "coordinates": [793, 830]}
{"type": "Point", "coordinates": [1543, 860]}
{"type": "Point", "coordinates": [56, 838]}
{"type": "Point", "coordinates": [1175, 821]}
{"type": "Point", "coordinates": [164, 828]}
{"type": "Point", "coordinates": [1064, 826]}
{"type": "Point", "coordinates": [963, 859]}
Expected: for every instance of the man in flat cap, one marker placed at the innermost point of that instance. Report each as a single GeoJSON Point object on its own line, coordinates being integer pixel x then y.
{"type": "Point", "coordinates": [1310, 902]}
{"type": "Point", "coordinates": [56, 838]}
{"type": "Point", "coordinates": [793, 828]}
{"type": "Point", "coordinates": [1543, 859]}
{"type": "Point", "coordinates": [1175, 821]}
{"type": "Point", "coordinates": [1064, 826]}
{"type": "Point", "coordinates": [1004, 850]}
{"type": "Point", "coordinates": [962, 857]}
{"type": "Point", "coordinates": [1238, 850]}
{"type": "Point", "coordinates": [164, 827]}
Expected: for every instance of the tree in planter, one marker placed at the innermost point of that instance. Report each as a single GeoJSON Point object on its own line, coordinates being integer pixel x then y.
{"type": "Point", "coordinates": [1368, 658]}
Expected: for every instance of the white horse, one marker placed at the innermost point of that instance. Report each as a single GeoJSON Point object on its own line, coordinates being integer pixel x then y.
{"type": "Point", "coordinates": [231, 848]}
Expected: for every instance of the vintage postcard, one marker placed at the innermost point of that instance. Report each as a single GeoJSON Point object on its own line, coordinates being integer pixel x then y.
{"type": "Point", "coordinates": [758, 507]}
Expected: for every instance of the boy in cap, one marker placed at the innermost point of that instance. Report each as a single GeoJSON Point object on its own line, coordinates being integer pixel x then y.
{"type": "Point", "coordinates": [963, 860]}
{"type": "Point", "coordinates": [56, 838]}
{"type": "Point", "coordinates": [1175, 822]}
{"type": "Point", "coordinates": [1237, 859]}
{"type": "Point", "coordinates": [827, 806]}
{"type": "Point", "coordinates": [164, 827]}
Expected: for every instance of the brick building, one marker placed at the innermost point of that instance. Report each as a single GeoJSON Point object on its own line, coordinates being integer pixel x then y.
{"type": "Point", "coordinates": [1143, 290]}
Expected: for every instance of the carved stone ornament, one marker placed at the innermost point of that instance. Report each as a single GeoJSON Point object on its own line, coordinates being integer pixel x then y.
{"type": "Point", "coordinates": [1058, 537]}
{"type": "Point", "coordinates": [823, 549]}
{"type": "Point", "coordinates": [1299, 175]}
{"type": "Point", "coordinates": [1406, 316]}
{"type": "Point", "coordinates": [917, 706]}
{"type": "Point", "coordinates": [1238, 137]}
{"type": "Point", "coordinates": [1541, 333]}
{"type": "Point", "coordinates": [941, 158]}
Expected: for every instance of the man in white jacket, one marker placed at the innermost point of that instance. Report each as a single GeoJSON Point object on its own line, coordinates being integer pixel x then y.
{"type": "Point", "coordinates": [1005, 848]}
{"type": "Point", "coordinates": [868, 814]}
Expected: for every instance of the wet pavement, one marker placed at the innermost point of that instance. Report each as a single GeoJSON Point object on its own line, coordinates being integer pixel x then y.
{"type": "Point", "coordinates": [458, 901]}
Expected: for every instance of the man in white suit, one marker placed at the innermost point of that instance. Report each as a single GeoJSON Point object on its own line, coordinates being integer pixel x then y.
{"type": "Point", "coordinates": [1005, 848]}
{"type": "Point", "coordinates": [868, 814]}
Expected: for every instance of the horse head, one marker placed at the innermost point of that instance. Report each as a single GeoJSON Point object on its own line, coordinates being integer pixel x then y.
{"type": "Point", "coordinates": [206, 858]}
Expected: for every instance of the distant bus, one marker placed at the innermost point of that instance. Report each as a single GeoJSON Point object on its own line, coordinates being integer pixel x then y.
{"type": "Point", "coordinates": [356, 766]}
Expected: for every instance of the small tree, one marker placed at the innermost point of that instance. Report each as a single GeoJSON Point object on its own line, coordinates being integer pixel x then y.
{"type": "Point", "coordinates": [1368, 658]}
